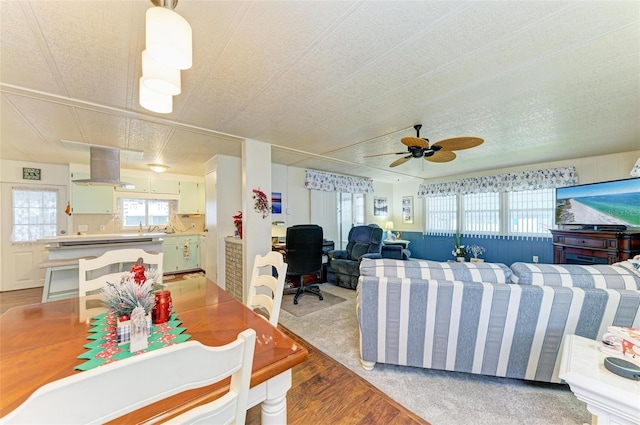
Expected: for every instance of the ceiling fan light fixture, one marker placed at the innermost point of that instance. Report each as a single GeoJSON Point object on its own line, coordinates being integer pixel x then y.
{"type": "Point", "coordinates": [168, 37]}
{"type": "Point", "coordinates": [159, 77]}
{"type": "Point", "coordinates": [154, 101]}
{"type": "Point", "coordinates": [158, 168]}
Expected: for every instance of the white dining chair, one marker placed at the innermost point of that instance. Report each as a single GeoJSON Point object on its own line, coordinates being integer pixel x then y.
{"type": "Point", "coordinates": [110, 391]}
{"type": "Point", "coordinates": [265, 290]}
{"type": "Point", "coordinates": [94, 273]}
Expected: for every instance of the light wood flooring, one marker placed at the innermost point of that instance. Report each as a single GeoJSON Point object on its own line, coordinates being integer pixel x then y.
{"type": "Point", "coordinates": [323, 391]}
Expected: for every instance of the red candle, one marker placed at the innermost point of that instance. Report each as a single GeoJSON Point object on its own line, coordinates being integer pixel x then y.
{"type": "Point", "coordinates": [162, 310]}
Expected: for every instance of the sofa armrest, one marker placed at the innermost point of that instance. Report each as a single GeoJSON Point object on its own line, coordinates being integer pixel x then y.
{"type": "Point", "coordinates": [371, 255]}
{"type": "Point", "coordinates": [338, 254]}
{"type": "Point", "coordinates": [393, 252]}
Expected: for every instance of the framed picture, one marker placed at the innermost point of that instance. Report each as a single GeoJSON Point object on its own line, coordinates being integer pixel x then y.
{"type": "Point", "coordinates": [407, 209]}
{"type": "Point", "coordinates": [380, 207]}
{"type": "Point", "coordinates": [276, 202]}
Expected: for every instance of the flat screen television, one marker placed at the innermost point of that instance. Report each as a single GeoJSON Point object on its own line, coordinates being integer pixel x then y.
{"type": "Point", "coordinates": [613, 204]}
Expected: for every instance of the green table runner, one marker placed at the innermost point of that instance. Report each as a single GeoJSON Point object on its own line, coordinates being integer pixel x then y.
{"type": "Point", "coordinates": [104, 348]}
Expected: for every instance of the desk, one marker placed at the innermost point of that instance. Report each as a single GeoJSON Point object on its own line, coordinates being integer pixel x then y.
{"type": "Point", "coordinates": [610, 398]}
{"type": "Point", "coordinates": [39, 343]}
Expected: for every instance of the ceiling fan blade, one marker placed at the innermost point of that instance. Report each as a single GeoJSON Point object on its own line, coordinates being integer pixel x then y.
{"type": "Point", "coordinates": [441, 156]}
{"type": "Point", "coordinates": [459, 143]}
{"type": "Point", "coordinates": [415, 141]}
{"type": "Point", "coordinates": [400, 161]}
{"type": "Point", "coordinates": [388, 153]}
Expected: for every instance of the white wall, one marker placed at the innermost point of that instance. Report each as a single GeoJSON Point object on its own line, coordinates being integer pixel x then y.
{"type": "Point", "coordinates": [227, 203]}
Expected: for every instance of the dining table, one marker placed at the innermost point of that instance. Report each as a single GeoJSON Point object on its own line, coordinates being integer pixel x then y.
{"type": "Point", "coordinates": [40, 343]}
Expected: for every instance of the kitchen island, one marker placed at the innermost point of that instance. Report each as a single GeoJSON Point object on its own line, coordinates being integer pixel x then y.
{"type": "Point", "coordinates": [61, 277]}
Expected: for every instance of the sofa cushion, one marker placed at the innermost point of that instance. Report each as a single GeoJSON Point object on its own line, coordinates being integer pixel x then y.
{"type": "Point", "coordinates": [573, 275]}
{"type": "Point", "coordinates": [426, 269]}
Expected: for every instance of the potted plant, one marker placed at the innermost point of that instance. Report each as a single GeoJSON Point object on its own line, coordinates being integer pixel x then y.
{"type": "Point", "coordinates": [458, 250]}
{"type": "Point", "coordinates": [476, 251]}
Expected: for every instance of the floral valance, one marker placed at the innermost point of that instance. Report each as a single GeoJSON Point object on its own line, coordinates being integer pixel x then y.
{"type": "Point", "coordinates": [327, 182]}
{"type": "Point", "coordinates": [511, 182]}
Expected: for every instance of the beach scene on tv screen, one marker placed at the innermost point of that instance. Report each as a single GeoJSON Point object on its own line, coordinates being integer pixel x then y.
{"type": "Point", "coordinates": [609, 203]}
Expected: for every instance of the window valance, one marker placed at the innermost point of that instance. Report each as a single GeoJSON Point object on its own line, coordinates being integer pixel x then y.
{"type": "Point", "coordinates": [327, 182]}
{"type": "Point", "coordinates": [511, 182]}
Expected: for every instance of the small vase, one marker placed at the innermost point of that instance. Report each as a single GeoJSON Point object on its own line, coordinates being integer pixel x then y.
{"type": "Point", "coordinates": [460, 259]}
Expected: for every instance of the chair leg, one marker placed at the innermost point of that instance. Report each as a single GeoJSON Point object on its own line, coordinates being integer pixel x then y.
{"type": "Point", "coordinates": [312, 289]}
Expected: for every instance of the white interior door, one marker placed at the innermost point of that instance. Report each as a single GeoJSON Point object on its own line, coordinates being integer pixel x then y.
{"type": "Point", "coordinates": [20, 260]}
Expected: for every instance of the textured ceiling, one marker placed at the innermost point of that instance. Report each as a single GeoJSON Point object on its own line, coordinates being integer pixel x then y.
{"type": "Point", "coordinates": [328, 82]}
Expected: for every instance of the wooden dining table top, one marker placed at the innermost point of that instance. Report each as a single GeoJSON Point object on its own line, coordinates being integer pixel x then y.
{"type": "Point", "coordinates": [40, 343]}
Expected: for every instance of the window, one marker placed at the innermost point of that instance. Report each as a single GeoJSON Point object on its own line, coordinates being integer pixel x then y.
{"type": "Point", "coordinates": [531, 212]}
{"type": "Point", "coordinates": [481, 213]}
{"type": "Point", "coordinates": [442, 216]}
{"type": "Point", "coordinates": [34, 214]}
{"type": "Point", "coordinates": [145, 212]}
{"type": "Point", "coordinates": [521, 213]}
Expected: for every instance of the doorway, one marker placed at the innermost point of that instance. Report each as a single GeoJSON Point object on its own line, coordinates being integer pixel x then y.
{"type": "Point", "coordinates": [350, 214]}
{"type": "Point", "coordinates": [23, 222]}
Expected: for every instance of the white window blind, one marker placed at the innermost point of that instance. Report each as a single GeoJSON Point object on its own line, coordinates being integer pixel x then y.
{"type": "Point", "coordinates": [35, 214]}
{"type": "Point", "coordinates": [531, 212]}
{"type": "Point", "coordinates": [441, 214]}
{"type": "Point", "coordinates": [481, 213]}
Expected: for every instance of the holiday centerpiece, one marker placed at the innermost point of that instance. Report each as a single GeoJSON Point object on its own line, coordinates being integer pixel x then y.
{"type": "Point", "coordinates": [130, 299]}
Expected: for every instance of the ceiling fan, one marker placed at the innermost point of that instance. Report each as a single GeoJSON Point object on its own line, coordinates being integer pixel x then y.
{"type": "Point", "coordinates": [441, 151]}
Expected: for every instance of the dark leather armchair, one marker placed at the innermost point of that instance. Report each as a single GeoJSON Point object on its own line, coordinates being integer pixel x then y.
{"type": "Point", "coordinates": [344, 265]}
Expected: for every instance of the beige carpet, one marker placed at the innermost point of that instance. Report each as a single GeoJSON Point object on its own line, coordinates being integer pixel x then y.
{"type": "Point", "coordinates": [309, 303]}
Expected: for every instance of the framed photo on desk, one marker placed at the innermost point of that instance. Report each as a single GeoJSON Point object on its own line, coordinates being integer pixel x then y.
{"type": "Point", "coordinates": [407, 209]}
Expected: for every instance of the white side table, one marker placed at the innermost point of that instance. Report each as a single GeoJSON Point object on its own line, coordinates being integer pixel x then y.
{"type": "Point", "coordinates": [611, 399]}
{"type": "Point", "coordinates": [404, 243]}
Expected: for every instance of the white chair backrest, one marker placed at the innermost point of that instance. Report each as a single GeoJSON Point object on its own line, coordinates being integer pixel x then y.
{"type": "Point", "coordinates": [110, 391]}
{"type": "Point", "coordinates": [265, 290]}
{"type": "Point", "coordinates": [110, 267]}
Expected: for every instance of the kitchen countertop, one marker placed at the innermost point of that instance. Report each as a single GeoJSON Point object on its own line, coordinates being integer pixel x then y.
{"type": "Point", "coordinates": [100, 237]}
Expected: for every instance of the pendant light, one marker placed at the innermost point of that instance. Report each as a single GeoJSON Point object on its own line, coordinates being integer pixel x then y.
{"type": "Point", "coordinates": [154, 101]}
{"type": "Point", "coordinates": [161, 78]}
{"type": "Point", "coordinates": [168, 35]}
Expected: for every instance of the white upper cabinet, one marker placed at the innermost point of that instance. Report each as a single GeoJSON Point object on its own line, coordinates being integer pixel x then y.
{"type": "Point", "coordinates": [191, 198]}
{"type": "Point", "coordinates": [166, 187]}
{"type": "Point", "coordinates": [87, 199]}
{"type": "Point", "coordinates": [141, 184]}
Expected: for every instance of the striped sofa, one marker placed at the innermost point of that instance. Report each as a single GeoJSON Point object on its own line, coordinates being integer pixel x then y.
{"type": "Point", "coordinates": [487, 318]}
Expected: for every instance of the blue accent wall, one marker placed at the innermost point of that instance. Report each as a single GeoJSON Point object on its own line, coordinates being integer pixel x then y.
{"type": "Point", "coordinates": [505, 250]}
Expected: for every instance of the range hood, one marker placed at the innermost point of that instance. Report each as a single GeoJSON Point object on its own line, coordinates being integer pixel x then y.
{"type": "Point", "coordinates": [104, 168]}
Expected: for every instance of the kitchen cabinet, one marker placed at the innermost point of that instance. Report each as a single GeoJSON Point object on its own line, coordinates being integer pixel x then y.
{"type": "Point", "coordinates": [191, 198]}
{"type": "Point", "coordinates": [93, 199]}
{"type": "Point", "coordinates": [166, 187]}
{"type": "Point", "coordinates": [181, 253]}
{"type": "Point", "coordinates": [141, 184]}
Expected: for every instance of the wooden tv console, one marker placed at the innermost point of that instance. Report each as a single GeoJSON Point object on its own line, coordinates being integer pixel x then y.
{"type": "Point", "coordinates": [594, 246]}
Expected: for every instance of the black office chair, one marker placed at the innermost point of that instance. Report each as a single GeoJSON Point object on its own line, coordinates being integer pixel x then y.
{"type": "Point", "coordinates": [304, 256]}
